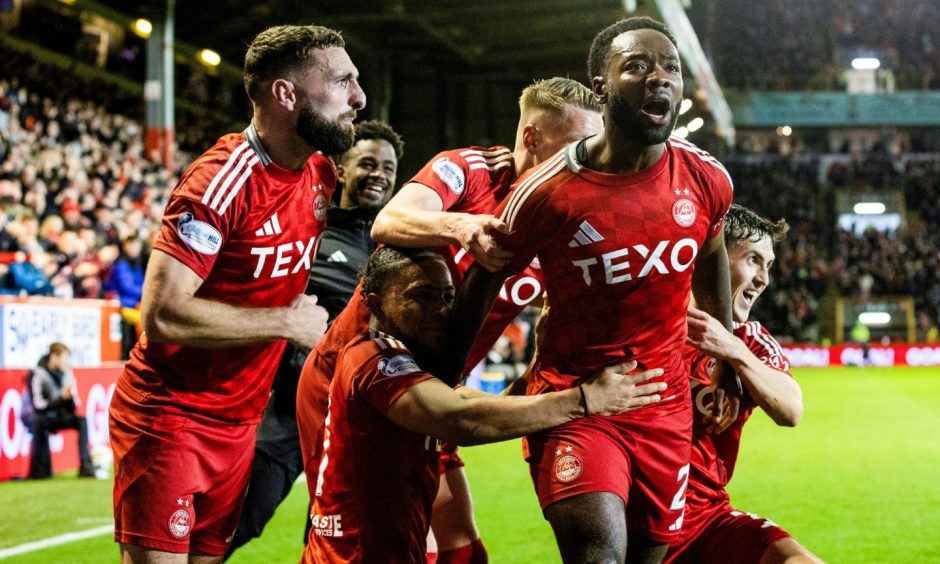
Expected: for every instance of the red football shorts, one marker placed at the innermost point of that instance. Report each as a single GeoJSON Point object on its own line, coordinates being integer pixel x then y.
{"type": "Point", "coordinates": [179, 481]}
{"type": "Point", "coordinates": [725, 535]}
{"type": "Point", "coordinates": [641, 456]}
{"type": "Point", "coordinates": [450, 460]}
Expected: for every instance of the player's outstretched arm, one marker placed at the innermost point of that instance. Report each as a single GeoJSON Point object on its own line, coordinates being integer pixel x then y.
{"type": "Point", "coordinates": [433, 408]}
{"type": "Point", "coordinates": [475, 297]}
{"type": "Point", "coordinates": [171, 313]}
{"type": "Point", "coordinates": [776, 393]}
{"type": "Point", "coordinates": [415, 217]}
{"type": "Point", "coordinates": [711, 286]}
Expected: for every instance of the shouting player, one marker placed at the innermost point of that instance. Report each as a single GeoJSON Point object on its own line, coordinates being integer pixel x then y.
{"type": "Point", "coordinates": [623, 224]}
{"type": "Point", "coordinates": [224, 289]}
{"type": "Point", "coordinates": [713, 531]}
{"type": "Point", "coordinates": [379, 470]}
{"type": "Point", "coordinates": [448, 204]}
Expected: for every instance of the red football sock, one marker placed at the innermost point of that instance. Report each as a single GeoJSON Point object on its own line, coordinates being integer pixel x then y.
{"type": "Point", "coordinates": [431, 557]}
{"type": "Point", "coordinates": [473, 553]}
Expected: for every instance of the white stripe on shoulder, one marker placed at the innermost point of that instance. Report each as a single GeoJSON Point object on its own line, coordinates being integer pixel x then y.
{"type": "Point", "coordinates": [224, 170]}
{"type": "Point", "coordinates": [702, 155]}
{"type": "Point", "coordinates": [768, 341]}
{"type": "Point", "coordinates": [487, 154]}
{"type": "Point", "coordinates": [238, 184]}
{"type": "Point", "coordinates": [518, 196]}
{"type": "Point", "coordinates": [231, 177]}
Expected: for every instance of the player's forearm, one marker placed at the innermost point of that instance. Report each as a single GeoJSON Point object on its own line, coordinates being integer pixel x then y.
{"type": "Point", "coordinates": [492, 419]}
{"type": "Point", "coordinates": [475, 297]}
{"type": "Point", "coordinates": [775, 392]}
{"type": "Point", "coordinates": [413, 227]}
{"type": "Point", "coordinates": [711, 286]}
{"type": "Point", "coordinates": [205, 323]}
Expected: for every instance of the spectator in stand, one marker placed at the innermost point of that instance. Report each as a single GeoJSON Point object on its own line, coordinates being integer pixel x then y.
{"type": "Point", "coordinates": [126, 280]}
{"type": "Point", "coordinates": [54, 395]}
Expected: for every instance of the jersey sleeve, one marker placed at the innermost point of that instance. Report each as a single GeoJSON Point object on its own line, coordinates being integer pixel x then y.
{"type": "Point", "coordinates": [195, 225]}
{"type": "Point", "coordinates": [760, 342]}
{"type": "Point", "coordinates": [450, 176]}
{"type": "Point", "coordinates": [533, 221]}
{"type": "Point", "coordinates": [386, 375]}
{"type": "Point", "coordinates": [721, 194]}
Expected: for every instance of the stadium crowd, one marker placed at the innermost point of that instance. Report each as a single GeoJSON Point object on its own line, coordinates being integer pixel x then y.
{"type": "Point", "coordinates": [817, 258]}
{"type": "Point", "coordinates": [806, 45]}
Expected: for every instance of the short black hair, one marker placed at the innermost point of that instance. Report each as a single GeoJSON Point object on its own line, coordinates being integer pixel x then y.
{"type": "Point", "coordinates": [278, 51]}
{"type": "Point", "coordinates": [742, 224]}
{"type": "Point", "coordinates": [375, 129]}
{"type": "Point", "coordinates": [387, 261]}
{"type": "Point", "coordinates": [600, 47]}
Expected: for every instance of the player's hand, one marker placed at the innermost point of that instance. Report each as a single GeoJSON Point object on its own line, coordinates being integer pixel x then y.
{"type": "Point", "coordinates": [306, 321]}
{"type": "Point", "coordinates": [475, 234]}
{"type": "Point", "coordinates": [723, 411]}
{"type": "Point", "coordinates": [614, 390]}
{"type": "Point", "coordinates": [708, 335]}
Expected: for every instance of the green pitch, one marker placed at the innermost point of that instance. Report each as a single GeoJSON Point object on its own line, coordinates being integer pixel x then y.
{"type": "Point", "coordinates": [857, 481]}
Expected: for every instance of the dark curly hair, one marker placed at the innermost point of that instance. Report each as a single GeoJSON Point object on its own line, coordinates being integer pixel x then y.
{"type": "Point", "coordinates": [741, 224]}
{"type": "Point", "coordinates": [387, 261]}
{"type": "Point", "coordinates": [600, 47]}
{"type": "Point", "coordinates": [375, 129]}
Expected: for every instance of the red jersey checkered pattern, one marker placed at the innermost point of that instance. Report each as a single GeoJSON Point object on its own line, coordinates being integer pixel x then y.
{"type": "Point", "coordinates": [617, 253]}
{"type": "Point", "coordinates": [714, 456]}
{"type": "Point", "coordinates": [250, 229]}
{"type": "Point", "coordinates": [376, 480]}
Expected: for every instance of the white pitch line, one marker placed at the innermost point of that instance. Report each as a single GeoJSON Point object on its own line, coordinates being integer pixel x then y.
{"type": "Point", "coordinates": [55, 541]}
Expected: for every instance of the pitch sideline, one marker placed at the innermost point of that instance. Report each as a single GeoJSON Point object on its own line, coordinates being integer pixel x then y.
{"type": "Point", "coordinates": [55, 541]}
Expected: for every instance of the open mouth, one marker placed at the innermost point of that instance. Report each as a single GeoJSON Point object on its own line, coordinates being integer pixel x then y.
{"type": "Point", "coordinates": [374, 189]}
{"type": "Point", "coordinates": [657, 110]}
{"type": "Point", "coordinates": [749, 296]}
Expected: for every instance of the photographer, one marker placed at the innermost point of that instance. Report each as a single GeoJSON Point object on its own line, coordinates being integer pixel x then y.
{"type": "Point", "coordinates": [54, 397]}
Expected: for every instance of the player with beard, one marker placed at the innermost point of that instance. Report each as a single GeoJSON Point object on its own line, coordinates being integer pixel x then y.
{"type": "Point", "coordinates": [387, 415]}
{"type": "Point", "coordinates": [713, 531]}
{"type": "Point", "coordinates": [367, 172]}
{"type": "Point", "coordinates": [624, 225]}
{"type": "Point", "coordinates": [224, 290]}
{"type": "Point", "coordinates": [449, 204]}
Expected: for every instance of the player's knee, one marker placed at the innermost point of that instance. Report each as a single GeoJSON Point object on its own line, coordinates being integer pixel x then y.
{"type": "Point", "coordinates": [590, 527]}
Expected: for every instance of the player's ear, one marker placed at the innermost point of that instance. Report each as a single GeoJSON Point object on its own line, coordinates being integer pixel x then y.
{"type": "Point", "coordinates": [284, 93]}
{"type": "Point", "coordinates": [531, 138]}
{"type": "Point", "coordinates": [599, 88]}
{"type": "Point", "coordinates": [341, 175]}
{"type": "Point", "coordinates": [372, 302]}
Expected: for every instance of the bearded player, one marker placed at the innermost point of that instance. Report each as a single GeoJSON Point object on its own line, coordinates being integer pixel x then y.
{"type": "Point", "coordinates": [448, 205]}
{"type": "Point", "coordinates": [713, 531]}
{"type": "Point", "coordinates": [624, 224]}
{"type": "Point", "coordinates": [224, 290]}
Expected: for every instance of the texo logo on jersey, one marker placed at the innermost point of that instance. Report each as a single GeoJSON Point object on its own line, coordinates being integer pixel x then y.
{"type": "Point", "coordinates": [284, 255]}
{"type": "Point", "coordinates": [680, 257]}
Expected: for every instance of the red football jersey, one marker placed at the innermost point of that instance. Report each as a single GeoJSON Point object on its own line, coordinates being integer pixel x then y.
{"type": "Point", "coordinates": [617, 253]}
{"type": "Point", "coordinates": [249, 228]}
{"type": "Point", "coordinates": [714, 456]}
{"type": "Point", "coordinates": [376, 481]}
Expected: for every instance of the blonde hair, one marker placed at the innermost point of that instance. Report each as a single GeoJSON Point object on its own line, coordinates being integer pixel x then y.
{"type": "Point", "coordinates": [554, 94]}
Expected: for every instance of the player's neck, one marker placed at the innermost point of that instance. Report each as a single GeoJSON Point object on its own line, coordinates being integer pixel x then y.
{"type": "Point", "coordinates": [613, 153]}
{"type": "Point", "coordinates": [282, 143]}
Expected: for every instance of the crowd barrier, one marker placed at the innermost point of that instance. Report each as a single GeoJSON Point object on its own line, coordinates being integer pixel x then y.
{"type": "Point", "coordinates": [854, 355]}
{"type": "Point", "coordinates": [90, 328]}
{"type": "Point", "coordinates": [95, 386]}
